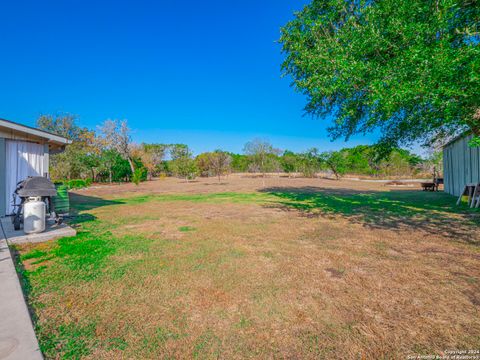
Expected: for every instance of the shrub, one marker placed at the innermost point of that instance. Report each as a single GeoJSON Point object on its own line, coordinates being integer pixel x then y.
{"type": "Point", "coordinates": [184, 167]}
{"type": "Point", "coordinates": [139, 175]}
{"type": "Point", "coordinates": [76, 183]}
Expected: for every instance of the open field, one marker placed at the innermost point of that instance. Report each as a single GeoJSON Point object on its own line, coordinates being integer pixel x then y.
{"type": "Point", "coordinates": [300, 268]}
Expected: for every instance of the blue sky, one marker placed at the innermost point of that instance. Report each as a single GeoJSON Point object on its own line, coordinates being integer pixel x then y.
{"type": "Point", "coordinates": [205, 73]}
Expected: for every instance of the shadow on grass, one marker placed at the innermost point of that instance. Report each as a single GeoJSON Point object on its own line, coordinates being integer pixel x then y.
{"type": "Point", "coordinates": [435, 213]}
{"type": "Point", "coordinates": [80, 203]}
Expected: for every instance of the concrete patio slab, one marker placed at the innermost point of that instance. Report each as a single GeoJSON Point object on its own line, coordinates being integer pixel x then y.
{"type": "Point", "coordinates": [52, 231]}
{"type": "Point", "coordinates": [17, 338]}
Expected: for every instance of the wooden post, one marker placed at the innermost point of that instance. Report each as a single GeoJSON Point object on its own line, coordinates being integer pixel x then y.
{"type": "Point", "coordinates": [476, 192]}
{"type": "Point", "coordinates": [470, 193]}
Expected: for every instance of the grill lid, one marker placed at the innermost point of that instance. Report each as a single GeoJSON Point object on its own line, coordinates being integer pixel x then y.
{"type": "Point", "coordinates": [35, 186]}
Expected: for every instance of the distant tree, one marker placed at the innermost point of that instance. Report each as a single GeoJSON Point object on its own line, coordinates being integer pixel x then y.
{"type": "Point", "coordinates": [92, 162]}
{"type": "Point", "coordinates": [150, 155]}
{"type": "Point", "coordinates": [182, 163]}
{"type": "Point", "coordinates": [107, 160]}
{"type": "Point", "coordinates": [399, 163]}
{"type": "Point", "coordinates": [116, 135]}
{"type": "Point", "coordinates": [139, 175]}
{"type": "Point", "coordinates": [290, 162]}
{"type": "Point", "coordinates": [374, 158]}
{"type": "Point", "coordinates": [178, 151]}
{"type": "Point", "coordinates": [61, 124]}
{"type": "Point", "coordinates": [69, 164]}
{"type": "Point", "coordinates": [156, 154]}
{"type": "Point", "coordinates": [434, 162]}
{"type": "Point", "coordinates": [310, 162]}
{"type": "Point", "coordinates": [121, 170]}
{"type": "Point", "coordinates": [395, 165]}
{"type": "Point", "coordinates": [220, 163]}
{"type": "Point", "coordinates": [262, 156]}
{"type": "Point", "coordinates": [409, 68]}
{"type": "Point", "coordinates": [79, 159]}
{"type": "Point", "coordinates": [217, 163]}
{"type": "Point", "coordinates": [357, 160]}
{"type": "Point", "coordinates": [334, 161]}
{"type": "Point", "coordinates": [203, 162]}
{"type": "Point", "coordinates": [239, 162]}
{"type": "Point", "coordinates": [185, 168]}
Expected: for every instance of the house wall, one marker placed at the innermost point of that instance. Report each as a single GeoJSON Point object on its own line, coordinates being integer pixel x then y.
{"type": "Point", "coordinates": [461, 165]}
{"type": "Point", "coordinates": [46, 160]}
{"type": "Point", "coordinates": [3, 170]}
{"type": "Point", "coordinates": [17, 135]}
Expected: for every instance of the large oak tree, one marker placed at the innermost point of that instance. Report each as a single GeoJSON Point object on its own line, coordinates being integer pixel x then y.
{"type": "Point", "coordinates": [410, 68]}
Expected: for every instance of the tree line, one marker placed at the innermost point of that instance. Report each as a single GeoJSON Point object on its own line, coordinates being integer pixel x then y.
{"type": "Point", "coordinates": [108, 154]}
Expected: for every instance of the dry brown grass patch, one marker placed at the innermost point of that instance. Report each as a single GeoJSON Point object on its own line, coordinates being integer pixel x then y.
{"type": "Point", "coordinates": [246, 280]}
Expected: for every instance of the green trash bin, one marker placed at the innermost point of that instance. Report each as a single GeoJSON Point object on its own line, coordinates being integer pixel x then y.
{"type": "Point", "coordinates": [61, 202]}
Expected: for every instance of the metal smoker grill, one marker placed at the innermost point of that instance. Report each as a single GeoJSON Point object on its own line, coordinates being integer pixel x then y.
{"type": "Point", "coordinates": [31, 187]}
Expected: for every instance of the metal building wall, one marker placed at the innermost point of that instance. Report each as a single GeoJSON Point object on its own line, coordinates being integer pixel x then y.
{"type": "Point", "coordinates": [461, 165]}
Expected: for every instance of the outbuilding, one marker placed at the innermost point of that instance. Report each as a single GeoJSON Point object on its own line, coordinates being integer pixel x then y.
{"type": "Point", "coordinates": [461, 164]}
{"type": "Point", "coordinates": [24, 151]}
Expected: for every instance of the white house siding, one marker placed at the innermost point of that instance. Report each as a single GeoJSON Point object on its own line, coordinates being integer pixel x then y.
{"type": "Point", "coordinates": [39, 140]}
{"type": "Point", "coordinates": [461, 165]}
{"type": "Point", "coordinates": [5, 168]}
{"type": "Point", "coordinates": [23, 159]}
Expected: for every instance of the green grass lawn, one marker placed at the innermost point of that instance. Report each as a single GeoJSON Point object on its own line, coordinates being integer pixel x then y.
{"type": "Point", "coordinates": [66, 281]}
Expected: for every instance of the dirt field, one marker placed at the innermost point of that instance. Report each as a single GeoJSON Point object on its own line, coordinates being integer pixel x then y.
{"type": "Point", "coordinates": [298, 268]}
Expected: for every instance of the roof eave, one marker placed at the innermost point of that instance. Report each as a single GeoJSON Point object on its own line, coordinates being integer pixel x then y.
{"type": "Point", "coordinates": [51, 138]}
{"type": "Point", "coordinates": [459, 136]}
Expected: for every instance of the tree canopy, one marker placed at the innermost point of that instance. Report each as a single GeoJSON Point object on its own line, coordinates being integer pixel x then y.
{"type": "Point", "coordinates": [262, 155]}
{"type": "Point", "coordinates": [62, 124]}
{"type": "Point", "coordinates": [408, 68]}
{"type": "Point", "coordinates": [216, 163]}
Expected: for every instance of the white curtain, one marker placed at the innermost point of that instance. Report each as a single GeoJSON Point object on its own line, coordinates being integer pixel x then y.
{"type": "Point", "coordinates": [23, 159]}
